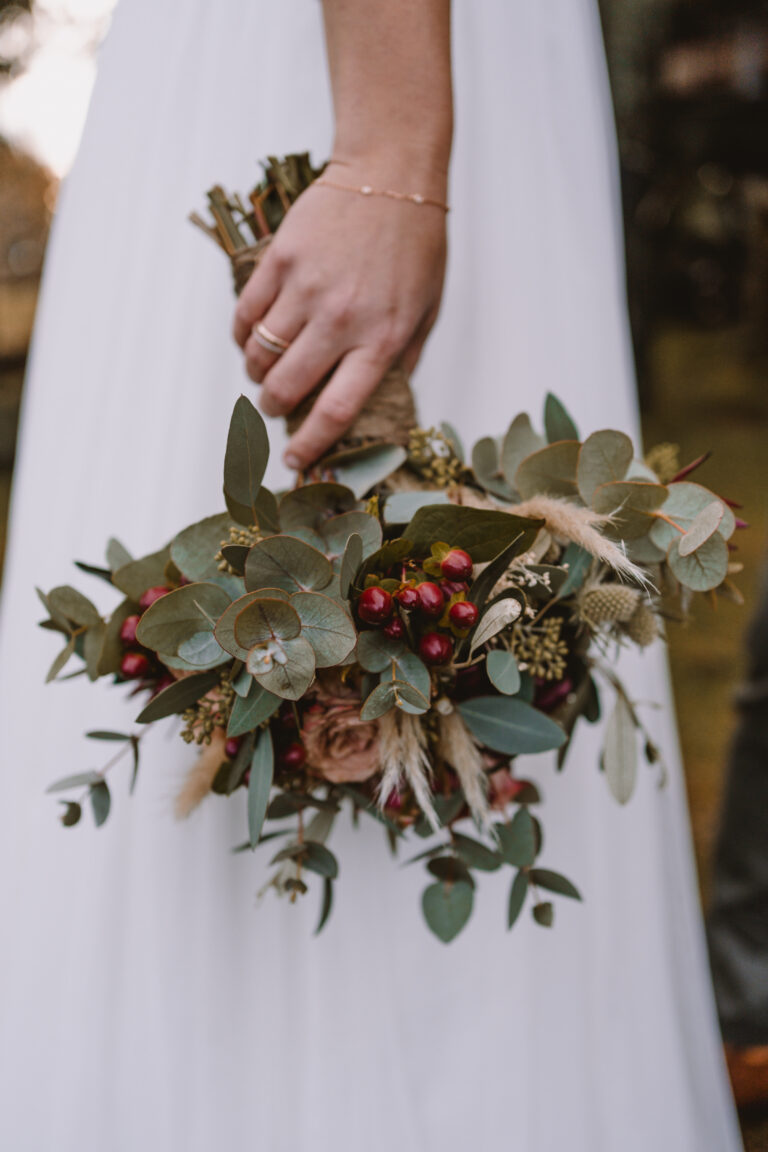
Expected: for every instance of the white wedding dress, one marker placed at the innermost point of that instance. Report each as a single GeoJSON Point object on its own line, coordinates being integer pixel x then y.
{"type": "Point", "coordinates": [146, 1003]}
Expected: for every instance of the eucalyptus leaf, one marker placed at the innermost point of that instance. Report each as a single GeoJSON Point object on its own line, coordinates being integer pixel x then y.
{"type": "Point", "coordinates": [181, 615]}
{"type": "Point", "coordinates": [390, 694]}
{"type": "Point", "coordinates": [475, 854]}
{"type": "Point", "coordinates": [287, 563]}
{"type": "Point", "coordinates": [93, 643]}
{"type": "Point", "coordinates": [544, 914]}
{"type": "Point", "coordinates": [551, 471]}
{"type": "Point", "coordinates": [450, 869]}
{"type": "Point", "coordinates": [291, 678]}
{"type": "Point", "coordinates": [61, 660]}
{"type": "Point", "coordinates": [408, 667]}
{"type": "Point", "coordinates": [72, 605]}
{"type": "Point", "coordinates": [350, 563]}
{"type": "Point", "coordinates": [100, 802]}
{"type": "Point", "coordinates": [361, 469]}
{"type": "Point", "coordinates": [519, 442]}
{"type": "Point", "coordinates": [401, 507]}
{"type": "Point", "coordinates": [117, 554]}
{"type": "Point", "coordinates": [453, 439]}
{"type": "Point", "coordinates": [260, 784]}
{"type": "Point", "coordinates": [319, 859]}
{"type": "Point", "coordinates": [71, 814]}
{"type": "Point", "coordinates": [632, 504]}
{"type": "Point", "coordinates": [327, 625]}
{"type": "Point", "coordinates": [486, 465]}
{"type": "Point", "coordinates": [557, 422]}
{"type": "Point", "coordinates": [309, 505]}
{"type": "Point", "coordinates": [375, 651]}
{"type": "Point", "coordinates": [604, 457]}
{"type": "Point", "coordinates": [178, 696]}
{"type": "Point", "coordinates": [579, 563]}
{"type": "Point", "coordinates": [487, 580]}
{"type": "Point", "coordinates": [327, 904]}
{"type": "Point", "coordinates": [246, 455]}
{"type": "Point", "coordinates": [247, 713]}
{"type": "Point", "coordinates": [265, 619]}
{"type": "Point", "coordinates": [705, 525]}
{"type": "Point", "coordinates": [517, 839]}
{"type": "Point", "coordinates": [194, 551]}
{"type": "Point", "coordinates": [225, 625]}
{"type": "Point", "coordinates": [620, 751]}
{"type": "Point", "coordinates": [704, 569]}
{"type": "Point", "coordinates": [337, 530]}
{"type": "Point", "coordinates": [503, 671]}
{"type": "Point", "coordinates": [447, 908]}
{"type": "Point", "coordinates": [79, 780]}
{"type": "Point", "coordinates": [517, 895]}
{"type": "Point", "coordinates": [134, 578]}
{"type": "Point", "coordinates": [201, 650]}
{"type": "Point", "coordinates": [509, 725]}
{"type": "Point", "coordinates": [684, 503]}
{"type": "Point", "coordinates": [554, 882]}
{"type": "Point", "coordinates": [112, 647]}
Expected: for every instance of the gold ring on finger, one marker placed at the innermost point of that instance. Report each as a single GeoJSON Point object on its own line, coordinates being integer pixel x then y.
{"type": "Point", "coordinates": [269, 341]}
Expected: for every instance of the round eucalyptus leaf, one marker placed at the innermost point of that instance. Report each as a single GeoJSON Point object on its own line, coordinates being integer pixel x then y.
{"type": "Point", "coordinates": [705, 525]}
{"type": "Point", "coordinates": [603, 459]}
{"type": "Point", "coordinates": [517, 839]}
{"type": "Point", "coordinates": [503, 671]}
{"type": "Point", "coordinates": [308, 506]}
{"type": "Point", "coordinates": [375, 651]}
{"type": "Point", "coordinates": [447, 908]}
{"type": "Point", "coordinates": [72, 605]}
{"type": "Point", "coordinates": [704, 569]}
{"type": "Point", "coordinates": [450, 869]}
{"type": "Point", "coordinates": [201, 650]}
{"type": "Point", "coordinates": [337, 531]}
{"type": "Point", "coordinates": [265, 619]}
{"type": "Point", "coordinates": [287, 563]}
{"type": "Point", "coordinates": [225, 626]}
{"type": "Point", "coordinates": [551, 471]}
{"type": "Point", "coordinates": [632, 504]}
{"type": "Point", "coordinates": [486, 465]}
{"type": "Point", "coordinates": [180, 615]}
{"type": "Point", "coordinates": [194, 551]}
{"type": "Point", "coordinates": [363, 468]}
{"type": "Point", "coordinates": [406, 666]}
{"type": "Point", "coordinates": [401, 507]}
{"type": "Point", "coordinates": [291, 677]}
{"type": "Point", "coordinates": [684, 503]}
{"type": "Point", "coordinates": [327, 625]}
{"type": "Point", "coordinates": [520, 441]}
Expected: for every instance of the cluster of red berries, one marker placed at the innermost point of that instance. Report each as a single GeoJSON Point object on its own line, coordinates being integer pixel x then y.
{"type": "Point", "coordinates": [136, 664]}
{"type": "Point", "coordinates": [427, 601]}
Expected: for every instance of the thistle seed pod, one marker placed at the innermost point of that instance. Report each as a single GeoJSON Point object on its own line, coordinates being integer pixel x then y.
{"type": "Point", "coordinates": [609, 604]}
{"type": "Point", "coordinates": [643, 627]}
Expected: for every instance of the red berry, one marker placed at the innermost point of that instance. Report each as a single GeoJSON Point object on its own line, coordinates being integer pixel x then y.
{"type": "Point", "coordinates": [435, 648]}
{"type": "Point", "coordinates": [395, 630]}
{"type": "Point", "coordinates": [453, 587]}
{"type": "Point", "coordinates": [431, 599]}
{"type": "Point", "coordinates": [457, 565]}
{"type": "Point", "coordinates": [153, 594]}
{"type": "Point", "coordinates": [294, 756]}
{"type": "Point", "coordinates": [374, 605]}
{"type": "Point", "coordinates": [128, 630]}
{"type": "Point", "coordinates": [463, 614]}
{"type": "Point", "coordinates": [231, 748]}
{"type": "Point", "coordinates": [134, 665]}
{"type": "Point", "coordinates": [394, 800]}
{"type": "Point", "coordinates": [408, 598]}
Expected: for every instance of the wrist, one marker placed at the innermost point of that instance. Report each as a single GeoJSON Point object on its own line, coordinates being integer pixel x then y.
{"type": "Point", "coordinates": [406, 169]}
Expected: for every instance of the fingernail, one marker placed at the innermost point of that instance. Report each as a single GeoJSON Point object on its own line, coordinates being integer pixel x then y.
{"type": "Point", "coordinates": [292, 461]}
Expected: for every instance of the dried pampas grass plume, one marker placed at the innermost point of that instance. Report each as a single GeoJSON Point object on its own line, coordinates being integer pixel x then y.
{"type": "Point", "coordinates": [403, 752]}
{"type": "Point", "coordinates": [457, 748]}
{"type": "Point", "coordinates": [202, 774]}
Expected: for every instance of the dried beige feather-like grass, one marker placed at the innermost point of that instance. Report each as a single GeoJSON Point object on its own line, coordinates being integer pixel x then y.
{"type": "Point", "coordinates": [201, 775]}
{"type": "Point", "coordinates": [457, 748]}
{"type": "Point", "coordinates": [403, 753]}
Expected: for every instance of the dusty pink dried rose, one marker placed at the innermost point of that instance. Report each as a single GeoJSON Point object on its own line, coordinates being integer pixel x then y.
{"type": "Point", "coordinates": [340, 746]}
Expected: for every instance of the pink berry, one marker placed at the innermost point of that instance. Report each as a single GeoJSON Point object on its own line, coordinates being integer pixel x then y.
{"type": "Point", "coordinates": [134, 665]}
{"type": "Point", "coordinates": [408, 598]}
{"type": "Point", "coordinates": [128, 630]}
{"type": "Point", "coordinates": [395, 630]}
{"type": "Point", "coordinates": [153, 594]}
{"type": "Point", "coordinates": [431, 600]}
{"type": "Point", "coordinates": [374, 605]}
{"type": "Point", "coordinates": [231, 748]}
{"type": "Point", "coordinates": [294, 756]}
{"type": "Point", "coordinates": [457, 565]}
{"type": "Point", "coordinates": [435, 648]}
{"type": "Point", "coordinates": [463, 614]}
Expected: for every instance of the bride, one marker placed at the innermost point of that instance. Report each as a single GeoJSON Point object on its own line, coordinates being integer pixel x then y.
{"type": "Point", "coordinates": [145, 1003]}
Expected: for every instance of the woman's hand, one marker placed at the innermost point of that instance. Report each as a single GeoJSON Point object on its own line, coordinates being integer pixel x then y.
{"type": "Point", "coordinates": [353, 283]}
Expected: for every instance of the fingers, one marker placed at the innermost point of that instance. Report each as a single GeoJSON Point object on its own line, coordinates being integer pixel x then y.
{"type": "Point", "coordinates": [284, 321]}
{"type": "Point", "coordinates": [256, 298]}
{"type": "Point", "coordinates": [310, 358]}
{"type": "Point", "coordinates": [336, 407]}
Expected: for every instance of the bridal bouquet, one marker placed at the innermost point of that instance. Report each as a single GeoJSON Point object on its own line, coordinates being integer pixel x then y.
{"type": "Point", "coordinates": [394, 632]}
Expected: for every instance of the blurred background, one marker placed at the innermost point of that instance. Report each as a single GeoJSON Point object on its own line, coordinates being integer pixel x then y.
{"type": "Point", "coordinates": [690, 84]}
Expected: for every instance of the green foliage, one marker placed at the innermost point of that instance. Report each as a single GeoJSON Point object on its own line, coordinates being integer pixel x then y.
{"type": "Point", "coordinates": [246, 457]}
{"type": "Point", "coordinates": [178, 696]}
{"type": "Point", "coordinates": [517, 839]}
{"type": "Point", "coordinates": [503, 672]}
{"type": "Point", "coordinates": [260, 784]}
{"type": "Point", "coordinates": [517, 895]}
{"type": "Point", "coordinates": [619, 758]}
{"type": "Point", "coordinates": [604, 458]}
{"type": "Point", "coordinates": [519, 442]}
{"type": "Point", "coordinates": [287, 563]}
{"type": "Point", "coordinates": [447, 908]}
{"type": "Point", "coordinates": [185, 615]}
{"type": "Point", "coordinates": [483, 533]}
{"type": "Point", "coordinates": [551, 471]}
{"type": "Point", "coordinates": [361, 469]}
{"type": "Point", "coordinates": [511, 726]}
{"type": "Point", "coordinates": [558, 424]}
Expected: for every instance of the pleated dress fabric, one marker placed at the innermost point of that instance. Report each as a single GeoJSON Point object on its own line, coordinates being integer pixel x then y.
{"type": "Point", "coordinates": [146, 1002]}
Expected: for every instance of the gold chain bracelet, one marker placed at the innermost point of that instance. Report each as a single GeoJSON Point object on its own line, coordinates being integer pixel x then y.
{"type": "Point", "coordinates": [367, 190]}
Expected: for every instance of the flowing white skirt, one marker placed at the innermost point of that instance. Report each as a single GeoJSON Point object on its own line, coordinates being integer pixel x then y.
{"type": "Point", "coordinates": [145, 1002]}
